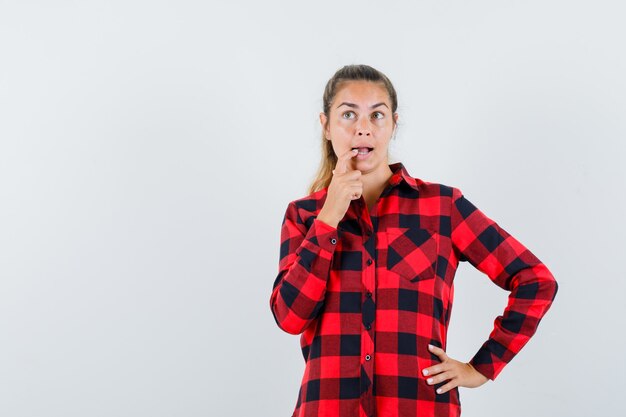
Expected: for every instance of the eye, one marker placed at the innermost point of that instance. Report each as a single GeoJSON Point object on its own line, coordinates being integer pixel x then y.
{"type": "Point", "coordinates": [348, 112]}
{"type": "Point", "coordinates": [381, 115]}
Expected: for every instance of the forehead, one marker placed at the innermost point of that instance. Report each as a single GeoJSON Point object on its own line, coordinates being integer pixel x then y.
{"type": "Point", "coordinates": [362, 92]}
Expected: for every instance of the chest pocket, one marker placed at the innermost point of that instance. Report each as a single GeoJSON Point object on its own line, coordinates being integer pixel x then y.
{"type": "Point", "coordinates": [412, 253]}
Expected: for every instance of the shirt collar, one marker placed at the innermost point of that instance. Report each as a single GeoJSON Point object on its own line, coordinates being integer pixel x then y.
{"type": "Point", "coordinates": [401, 174]}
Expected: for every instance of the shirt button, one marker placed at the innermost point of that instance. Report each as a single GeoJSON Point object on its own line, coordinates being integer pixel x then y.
{"type": "Point", "coordinates": [333, 240]}
{"type": "Point", "coordinates": [368, 357]}
{"type": "Point", "coordinates": [368, 326]}
{"type": "Point", "coordinates": [369, 294]}
{"type": "Point", "coordinates": [369, 261]}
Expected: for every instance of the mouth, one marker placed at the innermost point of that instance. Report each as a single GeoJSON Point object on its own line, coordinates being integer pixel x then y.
{"type": "Point", "coordinates": [364, 150]}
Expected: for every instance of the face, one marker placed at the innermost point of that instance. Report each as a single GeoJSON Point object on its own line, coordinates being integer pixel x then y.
{"type": "Point", "coordinates": [360, 116]}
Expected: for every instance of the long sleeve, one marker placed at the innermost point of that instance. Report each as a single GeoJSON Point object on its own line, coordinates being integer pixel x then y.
{"type": "Point", "coordinates": [511, 266]}
{"type": "Point", "coordinates": [304, 267]}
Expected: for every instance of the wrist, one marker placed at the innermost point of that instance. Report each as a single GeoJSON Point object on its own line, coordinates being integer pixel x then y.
{"type": "Point", "coordinates": [329, 220]}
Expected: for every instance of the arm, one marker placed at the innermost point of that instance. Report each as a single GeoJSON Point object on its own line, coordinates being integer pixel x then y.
{"type": "Point", "coordinates": [304, 266]}
{"type": "Point", "coordinates": [511, 266]}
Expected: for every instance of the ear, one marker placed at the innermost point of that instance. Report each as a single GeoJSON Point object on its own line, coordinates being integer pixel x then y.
{"type": "Point", "coordinates": [395, 118]}
{"type": "Point", "coordinates": [323, 121]}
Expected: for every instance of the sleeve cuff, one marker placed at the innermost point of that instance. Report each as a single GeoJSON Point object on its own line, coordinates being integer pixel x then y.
{"type": "Point", "coordinates": [487, 360]}
{"type": "Point", "coordinates": [323, 235]}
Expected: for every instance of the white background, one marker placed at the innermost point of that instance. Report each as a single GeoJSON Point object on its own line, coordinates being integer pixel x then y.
{"type": "Point", "coordinates": [149, 149]}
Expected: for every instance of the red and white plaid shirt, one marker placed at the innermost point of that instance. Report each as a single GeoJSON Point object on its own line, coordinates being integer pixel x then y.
{"type": "Point", "coordinates": [369, 295]}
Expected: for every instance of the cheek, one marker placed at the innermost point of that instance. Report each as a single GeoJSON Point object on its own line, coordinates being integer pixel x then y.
{"type": "Point", "coordinates": [341, 129]}
{"type": "Point", "coordinates": [383, 125]}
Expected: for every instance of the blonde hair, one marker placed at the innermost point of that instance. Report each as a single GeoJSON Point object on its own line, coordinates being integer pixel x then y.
{"type": "Point", "coordinates": [347, 73]}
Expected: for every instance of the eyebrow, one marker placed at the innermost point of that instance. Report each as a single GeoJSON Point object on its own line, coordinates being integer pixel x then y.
{"type": "Point", "coordinates": [355, 106]}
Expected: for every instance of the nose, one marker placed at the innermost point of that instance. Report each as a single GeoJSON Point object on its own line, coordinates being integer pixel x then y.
{"type": "Point", "coordinates": [363, 128]}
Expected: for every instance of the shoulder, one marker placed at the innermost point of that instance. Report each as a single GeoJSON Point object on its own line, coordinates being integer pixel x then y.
{"type": "Point", "coordinates": [312, 202]}
{"type": "Point", "coordinates": [305, 209]}
{"type": "Point", "coordinates": [429, 189]}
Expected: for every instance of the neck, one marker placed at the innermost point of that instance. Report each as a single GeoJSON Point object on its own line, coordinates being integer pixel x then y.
{"type": "Point", "coordinates": [374, 183]}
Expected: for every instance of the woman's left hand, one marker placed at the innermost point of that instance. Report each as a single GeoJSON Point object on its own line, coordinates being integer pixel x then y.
{"type": "Point", "coordinates": [459, 373]}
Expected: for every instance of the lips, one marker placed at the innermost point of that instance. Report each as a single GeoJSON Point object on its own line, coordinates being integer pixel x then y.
{"type": "Point", "coordinates": [363, 148]}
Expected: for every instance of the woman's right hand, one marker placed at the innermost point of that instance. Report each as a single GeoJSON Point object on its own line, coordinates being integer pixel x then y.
{"type": "Point", "coordinates": [345, 186]}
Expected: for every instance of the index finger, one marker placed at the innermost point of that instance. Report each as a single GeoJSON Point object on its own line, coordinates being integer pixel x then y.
{"type": "Point", "coordinates": [438, 351]}
{"type": "Point", "coordinates": [342, 162]}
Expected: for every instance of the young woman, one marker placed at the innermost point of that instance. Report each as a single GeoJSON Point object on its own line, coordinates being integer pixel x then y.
{"type": "Point", "coordinates": [367, 262]}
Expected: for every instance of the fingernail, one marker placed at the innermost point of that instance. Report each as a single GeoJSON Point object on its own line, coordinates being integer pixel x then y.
{"type": "Point", "coordinates": [429, 380]}
{"type": "Point", "coordinates": [425, 371]}
{"type": "Point", "coordinates": [438, 390]}
{"type": "Point", "coordinates": [430, 346]}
